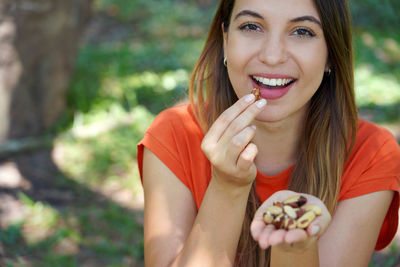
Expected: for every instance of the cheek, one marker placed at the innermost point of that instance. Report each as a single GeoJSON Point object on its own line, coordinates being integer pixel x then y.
{"type": "Point", "coordinates": [312, 59]}
{"type": "Point", "coordinates": [239, 53]}
{"type": "Point", "coordinates": [240, 49]}
{"type": "Point", "coordinates": [311, 56]}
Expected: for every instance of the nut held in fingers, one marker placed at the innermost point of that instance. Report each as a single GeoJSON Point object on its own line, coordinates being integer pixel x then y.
{"type": "Point", "coordinates": [256, 93]}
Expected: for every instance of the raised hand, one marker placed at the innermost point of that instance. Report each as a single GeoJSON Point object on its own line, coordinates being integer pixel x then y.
{"type": "Point", "coordinates": [228, 146]}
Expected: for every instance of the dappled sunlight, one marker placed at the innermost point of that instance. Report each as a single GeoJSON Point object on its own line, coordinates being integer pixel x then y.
{"type": "Point", "coordinates": [368, 39]}
{"type": "Point", "coordinates": [11, 177]}
{"type": "Point", "coordinates": [40, 221]}
{"type": "Point", "coordinates": [40, 228]}
{"type": "Point", "coordinates": [97, 219]}
{"type": "Point", "coordinates": [168, 80]}
{"type": "Point", "coordinates": [385, 49]}
{"type": "Point", "coordinates": [393, 48]}
{"type": "Point", "coordinates": [135, 62]}
{"type": "Point", "coordinates": [389, 52]}
{"type": "Point", "coordinates": [61, 237]}
{"type": "Point", "coordinates": [101, 155]}
{"type": "Point", "coordinates": [372, 87]}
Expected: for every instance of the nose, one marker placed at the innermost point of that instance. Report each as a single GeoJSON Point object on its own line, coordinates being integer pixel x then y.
{"type": "Point", "coordinates": [273, 50]}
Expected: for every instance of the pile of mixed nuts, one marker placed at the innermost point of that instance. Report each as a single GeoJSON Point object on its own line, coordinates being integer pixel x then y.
{"type": "Point", "coordinates": [292, 213]}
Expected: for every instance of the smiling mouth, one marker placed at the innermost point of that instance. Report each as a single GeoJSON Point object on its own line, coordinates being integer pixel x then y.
{"type": "Point", "coordinates": [270, 83]}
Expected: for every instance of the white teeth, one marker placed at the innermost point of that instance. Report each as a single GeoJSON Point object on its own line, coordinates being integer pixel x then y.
{"type": "Point", "coordinates": [272, 82]}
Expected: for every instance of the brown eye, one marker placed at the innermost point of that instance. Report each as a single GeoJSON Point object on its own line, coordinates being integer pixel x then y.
{"type": "Point", "coordinates": [250, 27]}
{"type": "Point", "coordinates": [303, 32]}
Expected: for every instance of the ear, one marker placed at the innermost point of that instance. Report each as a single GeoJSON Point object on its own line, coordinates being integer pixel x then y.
{"type": "Point", "coordinates": [225, 37]}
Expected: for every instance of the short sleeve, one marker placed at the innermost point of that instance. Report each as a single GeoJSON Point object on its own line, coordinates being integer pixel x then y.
{"type": "Point", "coordinates": [160, 138]}
{"type": "Point", "coordinates": [376, 167]}
{"type": "Point", "coordinates": [381, 173]}
{"type": "Point", "coordinates": [174, 137]}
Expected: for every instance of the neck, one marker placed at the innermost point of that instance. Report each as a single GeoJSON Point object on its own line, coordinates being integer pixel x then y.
{"type": "Point", "coordinates": [277, 144]}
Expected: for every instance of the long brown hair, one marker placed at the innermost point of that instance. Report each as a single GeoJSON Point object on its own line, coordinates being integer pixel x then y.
{"type": "Point", "coordinates": [330, 126]}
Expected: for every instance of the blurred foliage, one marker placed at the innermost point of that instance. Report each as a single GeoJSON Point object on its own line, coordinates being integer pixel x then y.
{"type": "Point", "coordinates": [378, 14]}
{"type": "Point", "coordinates": [54, 237]}
{"type": "Point", "coordinates": [129, 80]}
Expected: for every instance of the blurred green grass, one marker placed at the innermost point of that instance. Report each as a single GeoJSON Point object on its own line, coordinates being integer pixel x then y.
{"type": "Point", "coordinates": [129, 81]}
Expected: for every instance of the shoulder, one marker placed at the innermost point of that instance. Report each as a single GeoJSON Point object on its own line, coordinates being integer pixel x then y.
{"type": "Point", "coordinates": [373, 140]}
{"type": "Point", "coordinates": [374, 162]}
{"type": "Point", "coordinates": [179, 119]}
{"type": "Point", "coordinates": [374, 143]}
{"type": "Point", "coordinates": [372, 166]}
{"type": "Point", "coordinates": [174, 137]}
{"type": "Point", "coordinates": [372, 134]}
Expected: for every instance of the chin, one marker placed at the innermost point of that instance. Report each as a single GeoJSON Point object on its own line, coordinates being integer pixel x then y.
{"type": "Point", "coordinates": [269, 117]}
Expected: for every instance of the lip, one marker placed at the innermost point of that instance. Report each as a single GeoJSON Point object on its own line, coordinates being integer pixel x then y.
{"type": "Point", "coordinates": [273, 93]}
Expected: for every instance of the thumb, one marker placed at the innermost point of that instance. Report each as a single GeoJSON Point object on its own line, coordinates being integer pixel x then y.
{"type": "Point", "coordinates": [314, 229]}
{"type": "Point", "coordinates": [319, 225]}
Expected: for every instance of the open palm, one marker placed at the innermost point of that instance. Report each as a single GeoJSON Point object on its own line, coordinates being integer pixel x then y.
{"type": "Point", "coordinates": [291, 240]}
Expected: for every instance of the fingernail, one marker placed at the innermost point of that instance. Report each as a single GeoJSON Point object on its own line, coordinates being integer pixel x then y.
{"type": "Point", "coordinates": [261, 103]}
{"type": "Point", "coordinates": [314, 230]}
{"type": "Point", "coordinates": [249, 98]}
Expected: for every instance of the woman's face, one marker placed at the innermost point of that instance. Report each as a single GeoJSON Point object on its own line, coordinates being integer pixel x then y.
{"type": "Point", "coordinates": [279, 47]}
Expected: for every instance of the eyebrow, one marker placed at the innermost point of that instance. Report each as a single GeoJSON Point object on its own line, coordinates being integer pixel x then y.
{"type": "Point", "coordinates": [247, 12]}
{"type": "Point", "coordinates": [307, 18]}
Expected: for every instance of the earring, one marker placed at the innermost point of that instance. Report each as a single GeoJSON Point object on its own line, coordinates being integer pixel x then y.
{"type": "Point", "coordinates": [225, 64]}
{"type": "Point", "coordinates": [328, 73]}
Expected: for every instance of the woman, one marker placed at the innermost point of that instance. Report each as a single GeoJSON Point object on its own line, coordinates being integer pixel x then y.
{"type": "Point", "coordinates": [207, 166]}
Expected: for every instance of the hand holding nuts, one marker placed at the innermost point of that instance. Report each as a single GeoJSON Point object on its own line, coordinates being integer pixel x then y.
{"type": "Point", "coordinates": [292, 213]}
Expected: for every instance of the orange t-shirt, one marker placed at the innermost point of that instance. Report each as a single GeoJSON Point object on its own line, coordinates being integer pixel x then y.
{"type": "Point", "coordinates": [374, 164]}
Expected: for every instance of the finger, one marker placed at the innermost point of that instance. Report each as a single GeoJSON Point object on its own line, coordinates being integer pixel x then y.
{"type": "Point", "coordinates": [264, 236]}
{"type": "Point", "coordinates": [239, 143]}
{"type": "Point", "coordinates": [319, 225]}
{"type": "Point", "coordinates": [314, 230]}
{"type": "Point", "coordinates": [295, 235]}
{"type": "Point", "coordinates": [243, 120]}
{"type": "Point", "coordinates": [218, 128]}
{"type": "Point", "coordinates": [277, 237]}
{"type": "Point", "coordinates": [256, 227]}
{"type": "Point", "coordinates": [246, 158]}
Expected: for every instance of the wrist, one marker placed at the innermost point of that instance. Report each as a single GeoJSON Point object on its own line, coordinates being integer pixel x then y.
{"type": "Point", "coordinates": [300, 254]}
{"type": "Point", "coordinates": [232, 190]}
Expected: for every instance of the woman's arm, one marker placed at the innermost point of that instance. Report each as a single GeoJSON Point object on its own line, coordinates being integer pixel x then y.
{"type": "Point", "coordinates": [174, 235]}
{"type": "Point", "coordinates": [169, 212]}
{"type": "Point", "coordinates": [351, 237]}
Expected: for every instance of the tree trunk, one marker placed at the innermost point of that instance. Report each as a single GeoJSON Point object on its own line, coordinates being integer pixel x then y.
{"type": "Point", "coordinates": [39, 40]}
